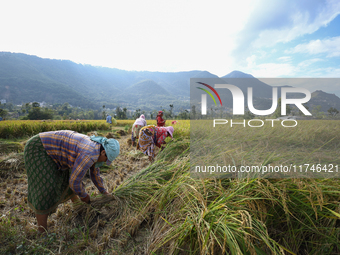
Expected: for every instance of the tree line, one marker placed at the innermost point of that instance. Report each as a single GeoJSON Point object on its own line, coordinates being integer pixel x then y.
{"type": "Point", "coordinates": [35, 111]}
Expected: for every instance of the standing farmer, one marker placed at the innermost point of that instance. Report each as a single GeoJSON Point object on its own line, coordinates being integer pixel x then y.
{"type": "Point", "coordinates": [108, 119]}
{"type": "Point", "coordinates": [160, 120]}
{"type": "Point", "coordinates": [56, 163]}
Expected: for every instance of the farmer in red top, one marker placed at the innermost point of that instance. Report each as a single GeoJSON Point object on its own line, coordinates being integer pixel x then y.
{"type": "Point", "coordinates": [160, 120]}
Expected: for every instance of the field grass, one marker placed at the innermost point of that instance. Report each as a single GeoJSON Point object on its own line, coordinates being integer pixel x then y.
{"type": "Point", "coordinates": [163, 209]}
{"type": "Point", "coordinates": [313, 142]}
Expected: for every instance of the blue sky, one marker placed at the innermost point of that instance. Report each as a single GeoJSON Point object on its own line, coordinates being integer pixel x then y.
{"type": "Point", "coordinates": [277, 38]}
{"type": "Point", "coordinates": [308, 46]}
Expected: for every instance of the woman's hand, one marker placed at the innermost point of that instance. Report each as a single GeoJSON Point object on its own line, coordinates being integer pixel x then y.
{"type": "Point", "coordinates": [86, 199]}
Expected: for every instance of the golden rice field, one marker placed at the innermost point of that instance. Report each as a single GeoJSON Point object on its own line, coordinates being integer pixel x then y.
{"type": "Point", "coordinates": [312, 143]}
{"type": "Point", "coordinates": [161, 208]}
{"type": "Point", "coordinates": [18, 128]}
{"type": "Point", "coordinates": [23, 128]}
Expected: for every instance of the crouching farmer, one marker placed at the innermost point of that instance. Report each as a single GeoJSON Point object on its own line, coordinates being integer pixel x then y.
{"type": "Point", "coordinates": [151, 136]}
{"type": "Point", "coordinates": [56, 163]}
{"type": "Point", "coordinates": [136, 127]}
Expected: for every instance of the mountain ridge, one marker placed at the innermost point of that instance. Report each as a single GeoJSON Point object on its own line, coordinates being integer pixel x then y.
{"type": "Point", "coordinates": [26, 78]}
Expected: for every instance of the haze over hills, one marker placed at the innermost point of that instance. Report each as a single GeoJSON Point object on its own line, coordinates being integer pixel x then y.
{"type": "Point", "coordinates": [25, 78]}
{"type": "Point", "coordinates": [237, 74]}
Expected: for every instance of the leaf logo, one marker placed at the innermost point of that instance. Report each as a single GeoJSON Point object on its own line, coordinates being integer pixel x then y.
{"type": "Point", "coordinates": [208, 92]}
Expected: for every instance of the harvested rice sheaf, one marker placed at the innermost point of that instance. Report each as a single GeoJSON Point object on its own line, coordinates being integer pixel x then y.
{"type": "Point", "coordinates": [7, 147]}
{"type": "Point", "coordinates": [121, 132]}
{"type": "Point", "coordinates": [136, 155]}
{"type": "Point", "coordinates": [11, 164]}
{"type": "Point", "coordinates": [110, 135]}
{"type": "Point", "coordinates": [92, 133]}
{"type": "Point", "coordinates": [129, 141]}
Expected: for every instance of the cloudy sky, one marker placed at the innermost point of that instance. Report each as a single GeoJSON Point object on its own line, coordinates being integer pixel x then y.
{"type": "Point", "coordinates": [276, 38]}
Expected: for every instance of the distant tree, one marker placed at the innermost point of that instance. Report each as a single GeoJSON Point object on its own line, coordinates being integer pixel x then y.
{"type": "Point", "coordinates": [301, 113]}
{"type": "Point", "coordinates": [35, 105]}
{"type": "Point", "coordinates": [277, 112]}
{"type": "Point", "coordinates": [153, 114]}
{"type": "Point", "coordinates": [171, 108]}
{"type": "Point", "coordinates": [104, 113]}
{"type": "Point", "coordinates": [166, 114]}
{"type": "Point", "coordinates": [249, 115]}
{"type": "Point", "coordinates": [333, 112]}
{"type": "Point", "coordinates": [137, 113]}
{"type": "Point", "coordinates": [27, 107]}
{"type": "Point", "coordinates": [316, 112]}
{"type": "Point", "coordinates": [221, 112]}
{"type": "Point", "coordinates": [184, 115]}
{"type": "Point", "coordinates": [121, 114]}
{"type": "Point", "coordinates": [118, 113]}
{"type": "Point", "coordinates": [65, 106]}
{"type": "Point", "coordinates": [3, 113]}
{"type": "Point", "coordinates": [124, 117]}
{"type": "Point", "coordinates": [10, 107]}
{"type": "Point", "coordinates": [90, 115]}
{"type": "Point", "coordinates": [193, 112]}
{"type": "Point", "coordinates": [37, 114]}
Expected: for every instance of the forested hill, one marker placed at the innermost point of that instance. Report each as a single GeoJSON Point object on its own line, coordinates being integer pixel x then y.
{"type": "Point", "coordinates": [26, 78]}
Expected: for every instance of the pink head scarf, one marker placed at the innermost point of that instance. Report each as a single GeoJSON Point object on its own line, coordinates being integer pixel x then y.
{"type": "Point", "coordinates": [170, 129]}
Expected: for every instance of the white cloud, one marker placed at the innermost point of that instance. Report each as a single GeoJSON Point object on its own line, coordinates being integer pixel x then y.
{"type": "Point", "coordinates": [278, 21]}
{"type": "Point", "coordinates": [217, 36]}
{"type": "Point", "coordinates": [269, 69]}
{"type": "Point", "coordinates": [288, 69]}
{"type": "Point", "coordinates": [132, 34]}
{"type": "Point", "coordinates": [299, 22]}
{"type": "Point", "coordinates": [328, 72]}
{"type": "Point", "coordinates": [285, 58]}
{"type": "Point", "coordinates": [329, 46]}
{"type": "Point", "coordinates": [273, 70]}
{"type": "Point", "coordinates": [306, 63]}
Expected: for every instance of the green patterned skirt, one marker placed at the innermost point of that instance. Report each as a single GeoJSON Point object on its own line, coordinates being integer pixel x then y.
{"type": "Point", "coordinates": [47, 186]}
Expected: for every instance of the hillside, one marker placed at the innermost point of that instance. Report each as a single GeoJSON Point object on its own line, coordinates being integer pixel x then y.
{"type": "Point", "coordinates": [325, 100]}
{"type": "Point", "coordinates": [25, 78]}
{"type": "Point", "coordinates": [146, 94]}
{"type": "Point", "coordinates": [237, 74]}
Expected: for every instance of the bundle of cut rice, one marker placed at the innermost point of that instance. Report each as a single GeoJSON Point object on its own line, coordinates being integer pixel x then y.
{"type": "Point", "coordinates": [11, 164]}
{"type": "Point", "coordinates": [7, 147]}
